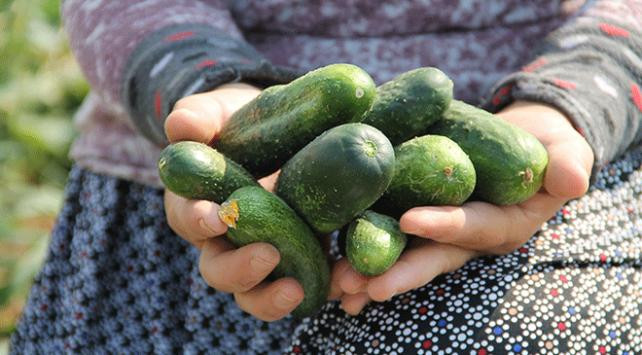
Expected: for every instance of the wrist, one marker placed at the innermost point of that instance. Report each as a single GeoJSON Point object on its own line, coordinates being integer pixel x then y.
{"type": "Point", "coordinates": [550, 113]}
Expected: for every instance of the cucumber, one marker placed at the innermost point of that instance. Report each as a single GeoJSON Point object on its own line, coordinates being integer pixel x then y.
{"type": "Point", "coordinates": [337, 176]}
{"type": "Point", "coordinates": [196, 171]}
{"type": "Point", "coordinates": [253, 214]}
{"type": "Point", "coordinates": [374, 243]}
{"type": "Point", "coordinates": [267, 131]}
{"type": "Point", "coordinates": [510, 163]}
{"type": "Point", "coordinates": [430, 170]}
{"type": "Point", "coordinates": [408, 104]}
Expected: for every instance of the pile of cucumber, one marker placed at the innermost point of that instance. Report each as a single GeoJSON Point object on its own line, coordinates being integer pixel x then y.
{"type": "Point", "coordinates": [353, 157]}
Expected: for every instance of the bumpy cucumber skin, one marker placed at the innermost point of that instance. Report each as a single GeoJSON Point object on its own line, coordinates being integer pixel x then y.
{"type": "Point", "coordinates": [430, 170]}
{"type": "Point", "coordinates": [197, 171]}
{"type": "Point", "coordinates": [338, 175]}
{"type": "Point", "coordinates": [408, 104]}
{"type": "Point", "coordinates": [374, 243]}
{"type": "Point", "coordinates": [256, 215]}
{"type": "Point", "coordinates": [510, 162]}
{"type": "Point", "coordinates": [266, 132]}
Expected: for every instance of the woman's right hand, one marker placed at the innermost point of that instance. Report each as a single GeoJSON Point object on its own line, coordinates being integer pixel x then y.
{"type": "Point", "coordinates": [239, 271]}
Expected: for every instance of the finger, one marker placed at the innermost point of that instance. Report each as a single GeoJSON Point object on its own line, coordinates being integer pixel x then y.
{"type": "Point", "coordinates": [482, 226]}
{"type": "Point", "coordinates": [200, 117]}
{"type": "Point", "coordinates": [567, 175]}
{"type": "Point", "coordinates": [236, 270]}
{"type": "Point", "coordinates": [416, 267]}
{"type": "Point", "coordinates": [196, 118]}
{"type": "Point", "coordinates": [353, 304]}
{"type": "Point", "coordinates": [352, 282]}
{"type": "Point", "coordinates": [337, 271]}
{"type": "Point", "coordinates": [273, 301]}
{"type": "Point", "coordinates": [269, 182]}
{"type": "Point", "coordinates": [193, 220]}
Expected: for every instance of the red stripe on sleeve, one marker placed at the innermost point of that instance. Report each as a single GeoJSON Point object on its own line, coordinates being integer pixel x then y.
{"type": "Point", "coordinates": [612, 30]}
{"type": "Point", "coordinates": [206, 63]}
{"type": "Point", "coordinates": [179, 36]}
{"type": "Point", "coordinates": [564, 84]}
{"type": "Point", "coordinates": [636, 96]}
{"type": "Point", "coordinates": [534, 65]}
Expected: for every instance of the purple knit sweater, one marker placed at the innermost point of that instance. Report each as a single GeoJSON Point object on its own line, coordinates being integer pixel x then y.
{"type": "Point", "coordinates": [140, 57]}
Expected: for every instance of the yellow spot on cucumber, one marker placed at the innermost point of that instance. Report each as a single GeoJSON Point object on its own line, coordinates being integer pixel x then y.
{"type": "Point", "coordinates": [229, 213]}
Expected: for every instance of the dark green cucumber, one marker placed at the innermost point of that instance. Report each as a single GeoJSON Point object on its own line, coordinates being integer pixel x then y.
{"type": "Point", "coordinates": [430, 170]}
{"type": "Point", "coordinates": [510, 163]}
{"type": "Point", "coordinates": [253, 214]}
{"type": "Point", "coordinates": [196, 171]}
{"type": "Point", "coordinates": [338, 175]}
{"type": "Point", "coordinates": [266, 132]}
{"type": "Point", "coordinates": [407, 105]}
{"type": "Point", "coordinates": [374, 243]}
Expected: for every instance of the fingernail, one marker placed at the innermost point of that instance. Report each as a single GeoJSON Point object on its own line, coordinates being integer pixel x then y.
{"type": "Point", "coordinates": [285, 300]}
{"type": "Point", "coordinates": [212, 224]}
{"type": "Point", "coordinates": [205, 226]}
{"type": "Point", "coordinates": [357, 285]}
{"type": "Point", "coordinates": [353, 282]}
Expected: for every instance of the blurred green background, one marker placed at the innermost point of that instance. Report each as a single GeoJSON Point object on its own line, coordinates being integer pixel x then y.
{"type": "Point", "coordinates": [40, 88]}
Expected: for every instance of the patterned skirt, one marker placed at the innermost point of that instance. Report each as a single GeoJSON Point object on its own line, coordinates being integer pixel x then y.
{"type": "Point", "coordinates": [118, 280]}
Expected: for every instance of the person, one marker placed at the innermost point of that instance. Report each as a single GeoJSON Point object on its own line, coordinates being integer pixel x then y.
{"type": "Point", "coordinates": [133, 268]}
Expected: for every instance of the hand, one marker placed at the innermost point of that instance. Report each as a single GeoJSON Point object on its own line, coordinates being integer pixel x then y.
{"type": "Point", "coordinates": [455, 235]}
{"type": "Point", "coordinates": [239, 271]}
{"type": "Point", "coordinates": [420, 263]}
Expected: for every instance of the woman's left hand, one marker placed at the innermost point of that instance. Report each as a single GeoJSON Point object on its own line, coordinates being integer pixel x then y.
{"type": "Point", "coordinates": [449, 236]}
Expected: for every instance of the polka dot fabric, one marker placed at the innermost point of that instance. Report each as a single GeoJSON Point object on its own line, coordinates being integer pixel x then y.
{"type": "Point", "coordinates": [118, 280]}
{"type": "Point", "coordinates": [574, 288]}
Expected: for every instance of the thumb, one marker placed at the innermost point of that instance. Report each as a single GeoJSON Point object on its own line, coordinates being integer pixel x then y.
{"type": "Point", "coordinates": [200, 117]}
{"type": "Point", "coordinates": [569, 167]}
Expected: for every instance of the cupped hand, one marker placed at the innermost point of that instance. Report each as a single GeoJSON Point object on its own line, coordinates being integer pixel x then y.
{"type": "Point", "coordinates": [455, 234]}
{"type": "Point", "coordinates": [239, 271]}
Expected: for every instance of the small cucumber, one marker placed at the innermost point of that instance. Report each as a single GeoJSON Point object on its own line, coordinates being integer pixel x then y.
{"type": "Point", "coordinates": [407, 105]}
{"type": "Point", "coordinates": [374, 243]}
{"type": "Point", "coordinates": [267, 131]}
{"type": "Point", "coordinates": [253, 214]}
{"type": "Point", "coordinates": [196, 171]}
{"type": "Point", "coordinates": [510, 162]}
{"type": "Point", "coordinates": [430, 170]}
{"type": "Point", "coordinates": [338, 175]}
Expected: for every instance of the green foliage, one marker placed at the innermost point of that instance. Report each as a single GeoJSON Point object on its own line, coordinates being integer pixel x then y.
{"type": "Point", "coordinates": [40, 88]}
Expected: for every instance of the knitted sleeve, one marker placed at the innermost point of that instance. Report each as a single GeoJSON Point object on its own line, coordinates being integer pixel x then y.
{"type": "Point", "coordinates": [590, 69]}
{"type": "Point", "coordinates": [142, 57]}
